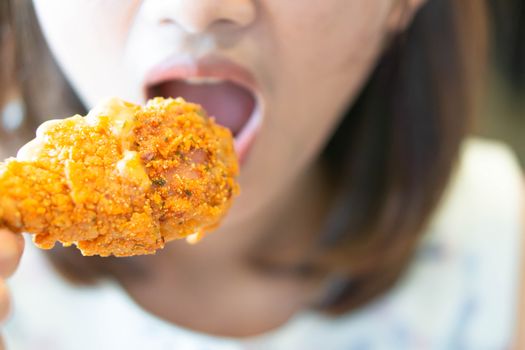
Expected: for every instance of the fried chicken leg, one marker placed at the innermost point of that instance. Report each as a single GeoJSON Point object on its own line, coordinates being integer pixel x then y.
{"type": "Point", "coordinates": [123, 180]}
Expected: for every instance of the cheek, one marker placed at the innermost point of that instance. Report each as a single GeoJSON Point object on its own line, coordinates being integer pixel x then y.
{"type": "Point", "coordinates": [87, 38]}
{"type": "Point", "coordinates": [326, 53]}
{"type": "Point", "coordinates": [319, 60]}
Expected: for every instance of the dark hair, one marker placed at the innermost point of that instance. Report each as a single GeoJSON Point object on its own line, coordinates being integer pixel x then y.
{"type": "Point", "coordinates": [390, 159]}
{"type": "Point", "coordinates": [397, 146]}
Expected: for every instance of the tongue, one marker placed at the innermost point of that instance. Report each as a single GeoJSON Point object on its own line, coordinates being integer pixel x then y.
{"type": "Point", "coordinates": [230, 104]}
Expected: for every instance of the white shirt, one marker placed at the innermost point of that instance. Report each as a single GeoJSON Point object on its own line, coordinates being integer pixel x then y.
{"type": "Point", "coordinates": [459, 293]}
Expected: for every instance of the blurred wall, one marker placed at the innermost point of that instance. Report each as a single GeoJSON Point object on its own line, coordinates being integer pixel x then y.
{"type": "Point", "coordinates": [503, 113]}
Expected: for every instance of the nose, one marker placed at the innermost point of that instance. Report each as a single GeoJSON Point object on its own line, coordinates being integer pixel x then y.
{"type": "Point", "coordinates": [198, 16]}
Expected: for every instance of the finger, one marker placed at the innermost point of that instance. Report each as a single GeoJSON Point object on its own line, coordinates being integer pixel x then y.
{"type": "Point", "coordinates": [5, 304]}
{"type": "Point", "coordinates": [11, 249]}
{"type": "Point", "coordinates": [2, 343]}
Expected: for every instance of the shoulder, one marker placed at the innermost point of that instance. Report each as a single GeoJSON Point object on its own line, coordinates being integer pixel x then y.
{"type": "Point", "coordinates": [479, 226]}
{"type": "Point", "coordinates": [489, 167]}
{"type": "Point", "coordinates": [485, 192]}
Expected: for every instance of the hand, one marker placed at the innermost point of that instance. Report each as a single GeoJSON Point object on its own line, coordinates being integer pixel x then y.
{"type": "Point", "coordinates": [11, 249]}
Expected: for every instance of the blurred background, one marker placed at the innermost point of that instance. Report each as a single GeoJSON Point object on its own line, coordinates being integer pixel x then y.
{"type": "Point", "coordinates": [503, 112]}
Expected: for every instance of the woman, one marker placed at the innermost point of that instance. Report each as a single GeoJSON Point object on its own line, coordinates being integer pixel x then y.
{"type": "Point", "coordinates": [348, 122]}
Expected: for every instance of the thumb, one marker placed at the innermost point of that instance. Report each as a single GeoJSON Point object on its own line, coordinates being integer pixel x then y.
{"type": "Point", "coordinates": [11, 249]}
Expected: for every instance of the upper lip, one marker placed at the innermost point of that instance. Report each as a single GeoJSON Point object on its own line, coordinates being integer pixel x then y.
{"type": "Point", "coordinates": [216, 67]}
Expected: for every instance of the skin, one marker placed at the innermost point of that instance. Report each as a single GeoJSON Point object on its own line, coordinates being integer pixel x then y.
{"type": "Point", "coordinates": [309, 59]}
{"type": "Point", "coordinates": [11, 251]}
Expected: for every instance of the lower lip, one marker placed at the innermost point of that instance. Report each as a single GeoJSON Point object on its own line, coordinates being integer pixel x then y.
{"type": "Point", "coordinates": [245, 139]}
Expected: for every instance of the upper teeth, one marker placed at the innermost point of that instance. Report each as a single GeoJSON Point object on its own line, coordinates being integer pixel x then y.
{"type": "Point", "coordinates": [203, 80]}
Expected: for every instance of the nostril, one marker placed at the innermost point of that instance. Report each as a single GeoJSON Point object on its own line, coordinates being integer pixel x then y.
{"type": "Point", "coordinates": [223, 22]}
{"type": "Point", "coordinates": [166, 21]}
{"type": "Point", "coordinates": [198, 16]}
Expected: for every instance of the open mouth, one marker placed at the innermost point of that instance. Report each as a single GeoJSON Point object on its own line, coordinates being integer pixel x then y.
{"type": "Point", "coordinates": [226, 90]}
{"type": "Point", "coordinates": [229, 103]}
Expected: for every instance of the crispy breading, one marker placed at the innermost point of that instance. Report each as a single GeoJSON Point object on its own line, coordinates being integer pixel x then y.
{"type": "Point", "coordinates": [123, 180]}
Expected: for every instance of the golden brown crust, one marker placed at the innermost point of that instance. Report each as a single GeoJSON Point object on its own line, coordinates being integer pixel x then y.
{"type": "Point", "coordinates": [123, 180]}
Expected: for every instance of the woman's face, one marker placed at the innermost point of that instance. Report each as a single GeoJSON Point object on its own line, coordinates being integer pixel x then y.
{"type": "Point", "coordinates": [278, 73]}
